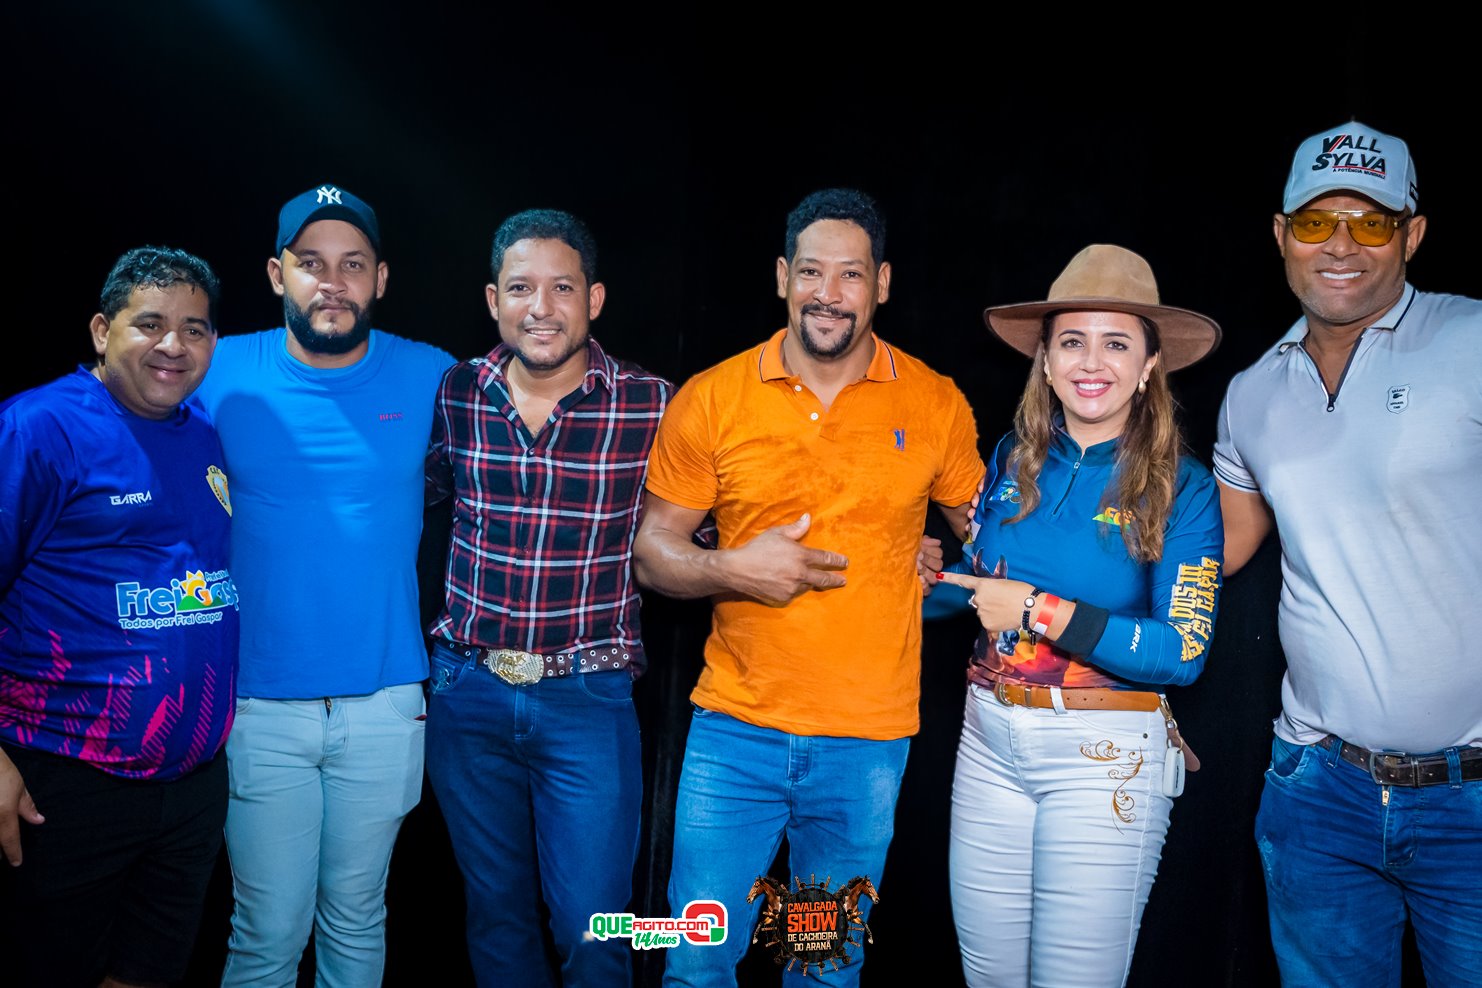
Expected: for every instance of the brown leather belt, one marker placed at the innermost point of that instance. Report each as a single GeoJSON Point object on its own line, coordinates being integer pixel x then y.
{"type": "Point", "coordinates": [1395, 768]}
{"type": "Point", "coordinates": [1083, 698]}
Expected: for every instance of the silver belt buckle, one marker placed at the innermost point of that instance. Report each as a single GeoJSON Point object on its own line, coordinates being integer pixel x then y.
{"type": "Point", "coordinates": [514, 666]}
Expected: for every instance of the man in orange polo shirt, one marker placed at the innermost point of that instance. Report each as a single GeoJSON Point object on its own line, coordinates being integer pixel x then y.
{"type": "Point", "coordinates": [817, 452]}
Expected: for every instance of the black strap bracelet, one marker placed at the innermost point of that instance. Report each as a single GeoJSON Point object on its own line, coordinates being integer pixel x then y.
{"type": "Point", "coordinates": [1028, 607]}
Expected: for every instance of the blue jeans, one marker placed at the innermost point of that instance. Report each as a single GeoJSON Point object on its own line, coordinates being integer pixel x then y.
{"type": "Point", "coordinates": [1346, 859]}
{"type": "Point", "coordinates": [318, 792]}
{"type": "Point", "coordinates": [541, 787]}
{"type": "Point", "coordinates": [742, 788]}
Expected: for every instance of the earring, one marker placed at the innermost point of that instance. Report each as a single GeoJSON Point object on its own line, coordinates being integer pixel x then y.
{"type": "Point", "coordinates": [1047, 375]}
{"type": "Point", "coordinates": [1142, 386]}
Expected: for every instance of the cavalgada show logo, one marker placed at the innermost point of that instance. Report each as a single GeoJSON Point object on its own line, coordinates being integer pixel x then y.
{"type": "Point", "coordinates": [809, 923]}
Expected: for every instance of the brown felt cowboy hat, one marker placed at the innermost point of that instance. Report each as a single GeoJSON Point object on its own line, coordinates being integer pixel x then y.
{"type": "Point", "coordinates": [1106, 278]}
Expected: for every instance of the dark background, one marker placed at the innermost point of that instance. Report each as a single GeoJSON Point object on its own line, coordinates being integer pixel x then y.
{"type": "Point", "coordinates": [997, 150]}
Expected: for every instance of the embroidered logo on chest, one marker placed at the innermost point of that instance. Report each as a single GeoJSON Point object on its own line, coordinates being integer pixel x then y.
{"type": "Point", "coordinates": [1398, 398]}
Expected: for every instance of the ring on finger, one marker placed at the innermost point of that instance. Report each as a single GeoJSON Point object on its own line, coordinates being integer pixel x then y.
{"type": "Point", "coordinates": [972, 601]}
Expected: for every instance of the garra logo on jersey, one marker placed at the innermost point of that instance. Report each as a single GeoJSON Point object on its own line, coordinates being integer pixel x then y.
{"type": "Point", "coordinates": [1398, 398]}
{"type": "Point", "coordinates": [216, 480]}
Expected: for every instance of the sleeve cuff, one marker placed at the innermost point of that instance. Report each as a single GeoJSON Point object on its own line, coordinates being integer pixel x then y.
{"type": "Point", "coordinates": [1085, 629]}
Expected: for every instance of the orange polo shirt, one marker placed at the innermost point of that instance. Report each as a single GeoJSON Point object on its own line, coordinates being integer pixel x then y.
{"type": "Point", "coordinates": [751, 443]}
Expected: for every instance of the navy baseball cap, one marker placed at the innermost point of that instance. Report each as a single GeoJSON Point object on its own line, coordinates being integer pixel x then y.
{"type": "Point", "coordinates": [327, 202]}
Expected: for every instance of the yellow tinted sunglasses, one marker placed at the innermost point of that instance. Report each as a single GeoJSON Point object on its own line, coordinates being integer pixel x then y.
{"type": "Point", "coordinates": [1367, 228]}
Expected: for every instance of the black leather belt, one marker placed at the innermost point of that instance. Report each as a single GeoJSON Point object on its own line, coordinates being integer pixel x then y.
{"type": "Point", "coordinates": [516, 667]}
{"type": "Point", "coordinates": [1395, 768]}
{"type": "Point", "coordinates": [521, 668]}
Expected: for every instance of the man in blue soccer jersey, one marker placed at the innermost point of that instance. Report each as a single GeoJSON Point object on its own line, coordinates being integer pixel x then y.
{"type": "Point", "coordinates": [118, 642]}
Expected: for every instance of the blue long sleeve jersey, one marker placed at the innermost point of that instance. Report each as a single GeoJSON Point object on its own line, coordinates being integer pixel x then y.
{"type": "Point", "coordinates": [1155, 620]}
{"type": "Point", "coordinates": [118, 616]}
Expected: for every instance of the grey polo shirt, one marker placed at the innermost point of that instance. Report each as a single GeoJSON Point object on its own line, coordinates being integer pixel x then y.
{"type": "Point", "coordinates": [1376, 503]}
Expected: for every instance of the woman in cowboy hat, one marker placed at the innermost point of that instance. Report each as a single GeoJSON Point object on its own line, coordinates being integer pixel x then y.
{"type": "Point", "coordinates": [1094, 567]}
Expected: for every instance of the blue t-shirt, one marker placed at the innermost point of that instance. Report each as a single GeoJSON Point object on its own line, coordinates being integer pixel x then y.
{"type": "Point", "coordinates": [118, 615]}
{"type": "Point", "coordinates": [327, 483]}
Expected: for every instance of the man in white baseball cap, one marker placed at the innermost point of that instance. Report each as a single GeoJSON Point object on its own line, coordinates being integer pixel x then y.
{"type": "Point", "coordinates": [1358, 438]}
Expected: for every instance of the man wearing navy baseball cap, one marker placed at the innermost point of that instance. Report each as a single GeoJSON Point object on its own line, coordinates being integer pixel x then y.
{"type": "Point", "coordinates": [327, 202]}
{"type": "Point", "coordinates": [1358, 438]}
{"type": "Point", "coordinates": [340, 325]}
{"type": "Point", "coordinates": [324, 422]}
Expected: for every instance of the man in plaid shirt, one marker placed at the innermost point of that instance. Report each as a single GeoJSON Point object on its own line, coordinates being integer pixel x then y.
{"type": "Point", "coordinates": [532, 739]}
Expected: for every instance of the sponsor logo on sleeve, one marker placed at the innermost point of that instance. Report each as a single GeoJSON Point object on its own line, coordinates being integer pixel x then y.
{"type": "Point", "coordinates": [1191, 611]}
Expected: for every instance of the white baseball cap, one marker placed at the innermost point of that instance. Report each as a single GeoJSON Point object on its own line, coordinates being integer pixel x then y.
{"type": "Point", "coordinates": [1352, 157]}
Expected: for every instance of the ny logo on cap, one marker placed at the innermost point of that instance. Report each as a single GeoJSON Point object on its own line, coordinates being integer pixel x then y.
{"type": "Point", "coordinates": [329, 194]}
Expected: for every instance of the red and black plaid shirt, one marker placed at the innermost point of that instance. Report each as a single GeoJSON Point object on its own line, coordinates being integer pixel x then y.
{"type": "Point", "coordinates": [543, 525]}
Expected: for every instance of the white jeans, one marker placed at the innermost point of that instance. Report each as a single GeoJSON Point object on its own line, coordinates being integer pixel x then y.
{"type": "Point", "coordinates": [318, 792]}
{"type": "Point", "coordinates": [1058, 821]}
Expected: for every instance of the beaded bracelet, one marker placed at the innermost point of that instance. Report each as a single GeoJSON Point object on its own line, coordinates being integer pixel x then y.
{"type": "Point", "coordinates": [1028, 608]}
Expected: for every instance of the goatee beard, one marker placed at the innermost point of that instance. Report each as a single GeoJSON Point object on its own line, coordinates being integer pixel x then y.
{"type": "Point", "coordinates": [839, 344]}
{"type": "Point", "coordinates": [314, 341]}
